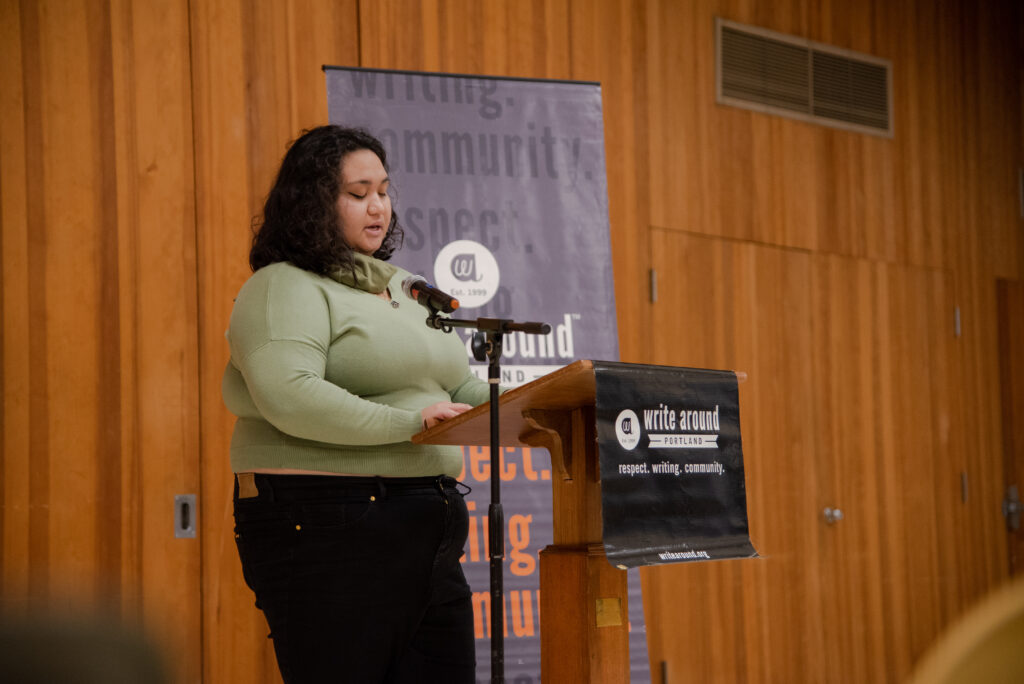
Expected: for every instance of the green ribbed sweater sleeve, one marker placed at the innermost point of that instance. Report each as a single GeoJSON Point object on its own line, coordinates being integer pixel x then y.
{"type": "Point", "coordinates": [279, 337]}
{"type": "Point", "coordinates": [472, 391]}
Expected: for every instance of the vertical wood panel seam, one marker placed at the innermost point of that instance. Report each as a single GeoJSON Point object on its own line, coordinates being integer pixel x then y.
{"type": "Point", "coordinates": [3, 393]}
{"type": "Point", "coordinates": [569, 31]}
{"type": "Point", "coordinates": [3, 384]}
{"type": "Point", "coordinates": [131, 520]}
{"type": "Point", "coordinates": [359, 32]}
{"type": "Point", "coordinates": [12, 234]}
{"type": "Point", "coordinates": [39, 451]}
{"type": "Point", "coordinates": [641, 115]}
{"type": "Point", "coordinates": [109, 416]}
{"type": "Point", "coordinates": [248, 21]}
{"type": "Point", "coordinates": [199, 328]}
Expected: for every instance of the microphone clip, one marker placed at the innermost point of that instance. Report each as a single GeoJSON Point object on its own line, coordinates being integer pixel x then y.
{"type": "Point", "coordinates": [435, 320]}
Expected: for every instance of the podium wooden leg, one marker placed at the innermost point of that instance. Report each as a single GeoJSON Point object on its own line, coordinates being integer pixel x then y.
{"type": "Point", "coordinates": [584, 617]}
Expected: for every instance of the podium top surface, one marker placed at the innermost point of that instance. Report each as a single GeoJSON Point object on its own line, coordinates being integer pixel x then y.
{"type": "Point", "coordinates": [565, 389]}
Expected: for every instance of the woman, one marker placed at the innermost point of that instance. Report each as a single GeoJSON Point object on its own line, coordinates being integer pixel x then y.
{"type": "Point", "coordinates": [349, 535]}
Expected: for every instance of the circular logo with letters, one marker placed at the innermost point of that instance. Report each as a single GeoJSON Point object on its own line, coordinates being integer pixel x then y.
{"type": "Point", "coordinates": [467, 271]}
{"type": "Point", "coordinates": [627, 429]}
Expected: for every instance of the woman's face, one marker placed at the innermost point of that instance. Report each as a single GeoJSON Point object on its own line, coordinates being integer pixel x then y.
{"type": "Point", "coordinates": [364, 208]}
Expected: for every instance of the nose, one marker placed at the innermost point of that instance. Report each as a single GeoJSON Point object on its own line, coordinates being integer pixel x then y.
{"type": "Point", "coordinates": [376, 204]}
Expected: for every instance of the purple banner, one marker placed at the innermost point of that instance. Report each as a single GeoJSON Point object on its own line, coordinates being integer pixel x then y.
{"type": "Point", "coordinates": [500, 185]}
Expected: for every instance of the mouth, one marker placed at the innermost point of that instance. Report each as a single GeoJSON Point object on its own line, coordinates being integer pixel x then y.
{"type": "Point", "coordinates": [375, 228]}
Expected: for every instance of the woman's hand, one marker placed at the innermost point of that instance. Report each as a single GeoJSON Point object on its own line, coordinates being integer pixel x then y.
{"type": "Point", "coordinates": [442, 410]}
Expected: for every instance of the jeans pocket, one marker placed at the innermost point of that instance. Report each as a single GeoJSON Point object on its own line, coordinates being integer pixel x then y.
{"type": "Point", "coordinates": [265, 540]}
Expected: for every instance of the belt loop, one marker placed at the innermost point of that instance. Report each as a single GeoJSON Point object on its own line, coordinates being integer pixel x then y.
{"type": "Point", "coordinates": [380, 487]}
{"type": "Point", "coordinates": [246, 485]}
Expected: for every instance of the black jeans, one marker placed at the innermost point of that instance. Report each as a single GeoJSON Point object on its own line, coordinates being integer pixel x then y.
{"type": "Point", "coordinates": [359, 578]}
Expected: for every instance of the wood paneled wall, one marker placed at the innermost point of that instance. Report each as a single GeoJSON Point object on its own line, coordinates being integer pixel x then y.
{"type": "Point", "coordinates": [137, 140]}
{"type": "Point", "coordinates": [100, 324]}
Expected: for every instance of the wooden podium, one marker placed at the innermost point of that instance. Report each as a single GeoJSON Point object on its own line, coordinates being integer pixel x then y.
{"type": "Point", "coordinates": [583, 603]}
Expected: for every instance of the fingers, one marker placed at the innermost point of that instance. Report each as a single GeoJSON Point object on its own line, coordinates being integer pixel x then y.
{"type": "Point", "coordinates": [453, 410]}
{"type": "Point", "coordinates": [442, 410]}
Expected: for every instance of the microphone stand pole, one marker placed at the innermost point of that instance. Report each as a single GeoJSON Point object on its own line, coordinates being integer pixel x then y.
{"type": "Point", "coordinates": [487, 342]}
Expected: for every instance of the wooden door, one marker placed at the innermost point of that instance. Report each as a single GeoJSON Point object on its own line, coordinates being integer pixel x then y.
{"type": "Point", "coordinates": [882, 365]}
{"type": "Point", "coordinates": [848, 407]}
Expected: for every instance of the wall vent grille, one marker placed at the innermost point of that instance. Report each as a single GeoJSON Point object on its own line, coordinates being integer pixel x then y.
{"type": "Point", "coordinates": [779, 74]}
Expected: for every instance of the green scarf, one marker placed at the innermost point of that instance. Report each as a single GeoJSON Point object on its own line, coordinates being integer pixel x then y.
{"type": "Point", "coordinates": [367, 274]}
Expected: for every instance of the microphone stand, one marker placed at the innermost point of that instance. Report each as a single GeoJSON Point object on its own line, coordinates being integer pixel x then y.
{"type": "Point", "coordinates": [487, 342]}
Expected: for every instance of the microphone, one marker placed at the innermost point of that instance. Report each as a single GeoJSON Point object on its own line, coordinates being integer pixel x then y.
{"type": "Point", "coordinates": [416, 287]}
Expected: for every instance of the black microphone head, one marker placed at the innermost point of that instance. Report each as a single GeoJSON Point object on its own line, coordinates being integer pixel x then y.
{"type": "Point", "coordinates": [409, 283]}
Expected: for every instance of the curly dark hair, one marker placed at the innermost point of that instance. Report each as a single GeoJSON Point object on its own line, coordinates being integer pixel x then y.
{"type": "Point", "coordinates": [300, 217]}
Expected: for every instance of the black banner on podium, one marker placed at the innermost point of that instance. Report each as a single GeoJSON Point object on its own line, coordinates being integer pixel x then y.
{"type": "Point", "coordinates": [672, 483]}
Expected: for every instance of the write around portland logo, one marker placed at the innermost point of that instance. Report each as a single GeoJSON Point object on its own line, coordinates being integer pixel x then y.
{"type": "Point", "coordinates": [668, 428]}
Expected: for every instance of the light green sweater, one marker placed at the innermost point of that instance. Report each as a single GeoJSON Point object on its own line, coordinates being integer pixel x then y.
{"type": "Point", "coordinates": [328, 377]}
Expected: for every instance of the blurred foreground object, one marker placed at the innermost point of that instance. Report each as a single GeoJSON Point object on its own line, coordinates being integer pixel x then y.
{"type": "Point", "coordinates": [984, 645]}
{"type": "Point", "coordinates": [76, 651]}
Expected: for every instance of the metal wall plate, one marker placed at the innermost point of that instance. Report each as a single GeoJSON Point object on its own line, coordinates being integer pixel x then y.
{"type": "Point", "coordinates": [185, 516]}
